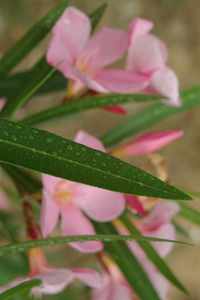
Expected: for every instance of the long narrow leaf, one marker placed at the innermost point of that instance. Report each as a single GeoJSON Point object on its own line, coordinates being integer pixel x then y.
{"type": "Point", "coordinates": [31, 38]}
{"type": "Point", "coordinates": [152, 254]}
{"type": "Point", "coordinates": [190, 214]}
{"type": "Point", "coordinates": [41, 73]}
{"type": "Point", "coordinates": [128, 265]}
{"type": "Point", "coordinates": [19, 289]}
{"type": "Point", "coordinates": [48, 153]}
{"type": "Point", "coordinates": [87, 103]}
{"type": "Point", "coordinates": [151, 115]}
{"type": "Point", "coordinates": [14, 248]}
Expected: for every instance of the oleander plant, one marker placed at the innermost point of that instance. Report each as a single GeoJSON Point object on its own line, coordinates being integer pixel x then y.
{"type": "Point", "coordinates": [78, 220]}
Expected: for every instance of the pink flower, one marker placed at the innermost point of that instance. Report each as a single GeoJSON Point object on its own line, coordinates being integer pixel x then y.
{"type": "Point", "coordinates": [2, 103]}
{"type": "Point", "coordinates": [72, 201]}
{"type": "Point", "coordinates": [80, 57]}
{"type": "Point", "coordinates": [54, 280]}
{"type": "Point", "coordinates": [148, 143]}
{"type": "Point", "coordinates": [158, 224]}
{"type": "Point", "coordinates": [147, 56]}
{"type": "Point", "coordinates": [112, 289]}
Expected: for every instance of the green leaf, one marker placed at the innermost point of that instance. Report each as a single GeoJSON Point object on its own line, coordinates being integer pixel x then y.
{"type": "Point", "coordinates": [128, 265]}
{"type": "Point", "coordinates": [190, 214]}
{"type": "Point", "coordinates": [21, 288]}
{"type": "Point", "coordinates": [31, 38]}
{"type": "Point", "coordinates": [13, 248]}
{"type": "Point", "coordinates": [151, 115]}
{"type": "Point", "coordinates": [152, 254]}
{"type": "Point", "coordinates": [48, 153]}
{"type": "Point", "coordinates": [10, 86]}
{"type": "Point", "coordinates": [24, 182]}
{"type": "Point", "coordinates": [86, 103]}
{"type": "Point", "coordinates": [97, 15]}
{"type": "Point", "coordinates": [41, 73]}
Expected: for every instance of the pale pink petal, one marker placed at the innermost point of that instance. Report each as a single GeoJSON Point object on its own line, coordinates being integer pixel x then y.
{"type": "Point", "coordinates": [135, 203]}
{"type": "Point", "coordinates": [161, 214]}
{"type": "Point", "coordinates": [166, 231]}
{"type": "Point", "coordinates": [88, 140]}
{"type": "Point", "coordinates": [146, 55]}
{"type": "Point", "coordinates": [49, 183]}
{"type": "Point", "coordinates": [116, 109]}
{"type": "Point", "coordinates": [112, 290]}
{"type": "Point", "coordinates": [53, 281]}
{"type": "Point", "coordinates": [75, 223]}
{"type": "Point", "coordinates": [165, 83]}
{"type": "Point", "coordinates": [120, 81]}
{"type": "Point", "coordinates": [49, 214]}
{"type": "Point", "coordinates": [99, 204]}
{"type": "Point", "coordinates": [88, 276]}
{"type": "Point", "coordinates": [139, 27]}
{"type": "Point", "coordinates": [70, 35]}
{"type": "Point", "coordinates": [150, 142]}
{"type": "Point", "coordinates": [104, 48]}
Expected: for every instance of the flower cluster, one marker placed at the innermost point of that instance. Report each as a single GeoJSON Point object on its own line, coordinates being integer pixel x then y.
{"type": "Point", "coordinates": [83, 59]}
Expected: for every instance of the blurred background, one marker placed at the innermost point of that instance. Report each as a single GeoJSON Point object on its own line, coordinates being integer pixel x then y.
{"type": "Point", "coordinates": [177, 23]}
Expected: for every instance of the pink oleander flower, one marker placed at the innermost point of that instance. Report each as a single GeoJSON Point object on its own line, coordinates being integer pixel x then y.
{"type": "Point", "coordinates": [147, 56]}
{"type": "Point", "coordinates": [53, 280]}
{"type": "Point", "coordinates": [81, 57]}
{"type": "Point", "coordinates": [148, 143]}
{"type": "Point", "coordinates": [75, 202]}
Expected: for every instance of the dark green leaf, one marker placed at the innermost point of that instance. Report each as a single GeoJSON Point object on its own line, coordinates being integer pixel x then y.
{"type": "Point", "coordinates": [31, 39]}
{"type": "Point", "coordinates": [86, 103]}
{"type": "Point", "coordinates": [128, 265]}
{"type": "Point", "coordinates": [21, 288]}
{"type": "Point", "coordinates": [152, 254]}
{"type": "Point", "coordinates": [22, 179]}
{"type": "Point", "coordinates": [48, 153]}
{"type": "Point", "coordinates": [41, 73]}
{"type": "Point", "coordinates": [190, 214]}
{"type": "Point", "coordinates": [151, 115]}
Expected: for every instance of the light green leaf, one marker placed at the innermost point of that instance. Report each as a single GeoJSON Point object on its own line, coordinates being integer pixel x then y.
{"type": "Point", "coordinates": [190, 214]}
{"type": "Point", "coordinates": [86, 103]}
{"type": "Point", "coordinates": [48, 153]}
{"type": "Point", "coordinates": [152, 254]}
{"type": "Point", "coordinates": [19, 289]}
{"type": "Point", "coordinates": [151, 115]}
{"type": "Point", "coordinates": [31, 38]}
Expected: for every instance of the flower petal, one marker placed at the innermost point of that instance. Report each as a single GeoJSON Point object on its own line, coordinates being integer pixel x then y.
{"type": "Point", "coordinates": [165, 82]}
{"type": "Point", "coordinates": [53, 281]}
{"type": "Point", "coordinates": [112, 290]}
{"type": "Point", "coordinates": [88, 140]}
{"type": "Point", "coordinates": [149, 142]}
{"type": "Point", "coordinates": [120, 81]}
{"type": "Point", "coordinates": [146, 55]}
{"type": "Point", "coordinates": [99, 204]}
{"type": "Point", "coordinates": [104, 48]}
{"type": "Point", "coordinates": [75, 223]}
{"type": "Point", "coordinates": [135, 204]}
{"type": "Point", "coordinates": [70, 35]}
{"type": "Point", "coordinates": [161, 214]}
{"type": "Point", "coordinates": [139, 27]}
{"type": "Point", "coordinates": [2, 103]}
{"type": "Point", "coordinates": [49, 214]}
{"type": "Point", "coordinates": [88, 276]}
{"type": "Point", "coordinates": [116, 109]}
